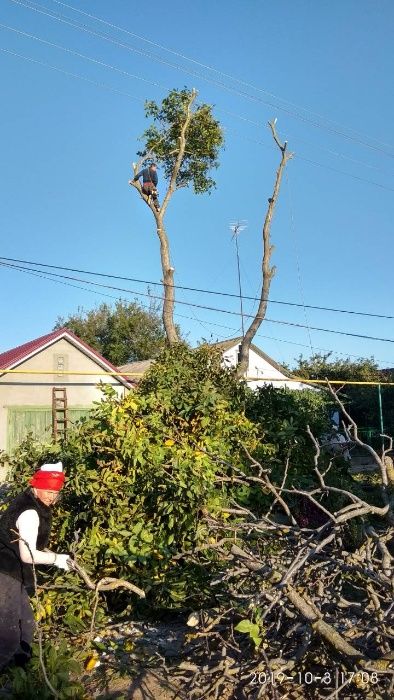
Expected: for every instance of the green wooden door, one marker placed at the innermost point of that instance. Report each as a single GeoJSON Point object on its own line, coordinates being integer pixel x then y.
{"type": "Point", "coordinates": [37, 420]}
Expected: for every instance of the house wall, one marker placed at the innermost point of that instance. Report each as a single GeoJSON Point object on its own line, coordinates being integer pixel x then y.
{"type": "Point", "coordinates": [35, 390]}
{"type": "Point", "coordinates": [259, 367]}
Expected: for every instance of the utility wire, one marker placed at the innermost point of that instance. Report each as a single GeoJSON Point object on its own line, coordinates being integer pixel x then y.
{"type": "Point", "coordinates": [297, 257]}
{"type": "Point", "coordinates": [320, 165]}
{"type": "Point", "coordinates": [41, 275]}
{"type": "Point", "coordinates": [133, 76]}
{"type": "Point", "coordinates": [82, 55]}
{"type": "Point", "coordinates": [72, 75]}
{"type": "Point", "coordinates": [210, 68]}
{"type": "Point", "coordinates": [223, 311]}
{"type": "Point", "coordinates": [41, 9]}
{"type": "Point", "coordinates": [105, 86]}
{"type": "Point", "coordinates": [196, 289]}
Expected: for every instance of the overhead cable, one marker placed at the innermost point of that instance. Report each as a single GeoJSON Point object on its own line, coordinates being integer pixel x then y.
{"type": "Point", "coordinates": [133, 76]}
{"type": "Point", "coordinates": [41, 9]}
{"type": "Point", "coordinates": [123, 93]}
{"type": "Point", "coordinates": [197, 289]}
{"type": "Point", "coordinates": [219, 310]}
{"type": "Point", "coordinates": [42, 275]}
{"type": "Point", "coordinates": [72, 75]}
{"type": "Point", "coordinates": [208, 67]}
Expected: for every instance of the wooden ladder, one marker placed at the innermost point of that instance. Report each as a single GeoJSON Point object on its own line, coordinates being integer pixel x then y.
{"type": "Point", "coordinates": [59, 412]}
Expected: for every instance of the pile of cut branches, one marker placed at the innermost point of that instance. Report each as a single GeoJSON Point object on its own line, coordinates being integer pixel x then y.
{"type": "Point", "coordinates": [303, 611]}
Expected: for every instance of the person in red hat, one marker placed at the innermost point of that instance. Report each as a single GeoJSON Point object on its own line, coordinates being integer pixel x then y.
{"type": "Point", "coordinates": [25, 529]}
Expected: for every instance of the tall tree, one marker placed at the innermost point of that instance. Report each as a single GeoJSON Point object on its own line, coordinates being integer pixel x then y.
{"type": "Point", "coordinates": [267, 271]}
{"type": "Point", "coordinates": [122, 333]}
{"type": "Point", "coordinates": [184, 139]}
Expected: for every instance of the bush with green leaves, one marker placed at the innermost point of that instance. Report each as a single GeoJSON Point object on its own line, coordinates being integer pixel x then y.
{"type": "Point", "coordinates": [140, 473]}
{"type": "Point", "coordinates": [361, 401]}
{"type": "Point", "coordinates": [62, 672]}
{"type": "Point", "coordinates": [283, 416]}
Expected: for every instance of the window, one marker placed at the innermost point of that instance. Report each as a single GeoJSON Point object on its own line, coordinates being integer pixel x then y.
{"type": "Point", "coordinates": [60, 364]}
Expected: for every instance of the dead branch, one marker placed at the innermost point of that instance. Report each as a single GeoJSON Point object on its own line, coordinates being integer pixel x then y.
{"type": "Point", "coordinates": [316, 600]}
{"type": "Point", "coordinates": [106, 583]}
{"type": "Point", "coordinates": [268, 272]}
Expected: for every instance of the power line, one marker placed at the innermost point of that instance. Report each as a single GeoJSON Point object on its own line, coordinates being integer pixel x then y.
{"type": "Point", "coordinates": [208, 67]}
{"type": "Point", "coordinates": [322, 165]}
{"type": "Point", "coordinates": [211, 68]}
{"type": "Point", "coordinates": [41, 275]}
{"type": "Point", "coordinates": [107, 87]}
{"type": "Point", "coordinates": [297, 257]}
{"type": "Point", "coordinates": [41, 9]}
{"type": "Point", "coordinates": [72, 75]}
{"type": "Point", "coordinates": [133, 76]}
{"type": "Point", "coordinates": [223, 311]}
{"type": "Point", "coordinates": [196, 289]}
{"type": "Point", "coordinates": [82, 55]}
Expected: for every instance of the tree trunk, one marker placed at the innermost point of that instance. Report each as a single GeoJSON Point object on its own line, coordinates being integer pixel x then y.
{"type": "Point", "coordinates": [267, 270]}
{"type": "Point", "coordinates": [167, 268]}
{"type": "Point", "coordinates": [168, 283]}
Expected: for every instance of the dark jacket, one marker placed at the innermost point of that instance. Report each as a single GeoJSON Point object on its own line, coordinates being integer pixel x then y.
{"type": "Point", "coordinates": [148, 175]}
{"type": "Point", "coordinates": [10, 561]}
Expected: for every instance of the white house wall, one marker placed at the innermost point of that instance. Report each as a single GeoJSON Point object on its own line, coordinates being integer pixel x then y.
{"type": "Point", "coordinates": [260, 370]}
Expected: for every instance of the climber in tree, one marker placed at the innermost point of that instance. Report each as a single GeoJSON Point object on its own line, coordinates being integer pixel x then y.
{"type": "Point", "coordinates": [149, 184]}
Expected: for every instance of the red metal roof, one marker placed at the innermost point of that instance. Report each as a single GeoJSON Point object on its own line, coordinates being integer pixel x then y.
{"type": "Point", "coordinates": [16, 355]}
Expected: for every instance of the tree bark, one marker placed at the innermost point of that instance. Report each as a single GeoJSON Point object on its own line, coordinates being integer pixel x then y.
{"type": "Point", "coordinates": [165, 257]}
{"type": "Point", "coordinates": [267, 271]}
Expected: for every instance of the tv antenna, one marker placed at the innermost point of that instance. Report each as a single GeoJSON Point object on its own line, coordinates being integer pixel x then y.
{"type": "Point", "coordinates": [237, 227]}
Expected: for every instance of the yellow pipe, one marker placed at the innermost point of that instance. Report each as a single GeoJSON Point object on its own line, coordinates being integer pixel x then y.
{"type": "Point", "coordinates": [141, 374]}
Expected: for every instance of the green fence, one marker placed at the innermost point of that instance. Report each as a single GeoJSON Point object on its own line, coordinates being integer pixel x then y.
{"type": "Point", "coordinates": [37, 420]}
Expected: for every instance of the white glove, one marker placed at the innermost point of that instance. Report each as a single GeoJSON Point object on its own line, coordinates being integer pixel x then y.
{"type": "Point", "coordinates": [63, 561]}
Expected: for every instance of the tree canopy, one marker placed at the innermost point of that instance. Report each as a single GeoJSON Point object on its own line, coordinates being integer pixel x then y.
{"type": "Point", "coordinates": [122, 333]}
{"type": "Point", "coordinates": [204, 138]}
{"type": "Point", "coordinates": [321, 366]}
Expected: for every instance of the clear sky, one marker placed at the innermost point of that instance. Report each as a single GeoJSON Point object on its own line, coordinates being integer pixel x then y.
{"type": "Point", "coordinates": [324, 69]}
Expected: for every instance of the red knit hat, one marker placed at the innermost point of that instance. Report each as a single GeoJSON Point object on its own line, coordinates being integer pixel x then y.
{"type": "Point", "coordinates": [49, 477]}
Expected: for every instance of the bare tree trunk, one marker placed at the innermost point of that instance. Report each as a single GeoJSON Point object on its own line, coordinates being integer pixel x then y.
{"type": "Point", "coordinates": [166, 266]}
{"type": "Point", "coordinates": [267, 270]}
{"type": "Point", "coordinates": [168, 284]}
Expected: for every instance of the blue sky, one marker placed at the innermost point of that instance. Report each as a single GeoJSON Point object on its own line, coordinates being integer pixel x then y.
{"type": "Point", "coordinates": [324, 69]}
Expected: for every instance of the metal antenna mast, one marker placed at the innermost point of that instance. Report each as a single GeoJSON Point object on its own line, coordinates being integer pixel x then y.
{"type": "Point", "coordinates": [236, 227]}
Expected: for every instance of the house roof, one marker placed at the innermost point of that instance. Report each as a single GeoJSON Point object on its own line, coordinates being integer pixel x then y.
{"type": "Point", "coordinates": [13, 357]}
{"type": "Point", "coordinates": [228, 344]}
{"type": "Point", "coordinates": [135, 370]}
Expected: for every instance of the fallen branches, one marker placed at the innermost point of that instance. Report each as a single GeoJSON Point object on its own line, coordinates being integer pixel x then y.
{"type": "Point", "coordinates": [317, 601]}
{"type": "Point", "coordinates": [106, 583]}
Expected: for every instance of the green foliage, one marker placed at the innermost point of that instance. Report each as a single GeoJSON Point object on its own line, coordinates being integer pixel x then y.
{"type": "Point", "coordinates": [319, 366]}
{"type": "Point", "coordinates": [122, 333]}
{"type": "Point", "coordinates": [252, 629]}
{"type": "Point", "coordinates": [283, 416]}
{"type": "Point", "coordinates": [204, 138]}
{"type": "Point", "coordinates": [182, 372]}
{"type": "Point", "coordinates": [140, 471]}
{"type": "Point", "coordinates": [362, 401]}
{"type": "Point", "coordinates": [61, 668]}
